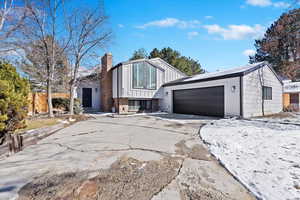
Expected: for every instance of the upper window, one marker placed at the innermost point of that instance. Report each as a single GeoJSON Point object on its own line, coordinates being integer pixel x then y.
{"type": "Point", "coordinates": [144, 76]}
{"type": "Point", "coordinates": [267, 93]}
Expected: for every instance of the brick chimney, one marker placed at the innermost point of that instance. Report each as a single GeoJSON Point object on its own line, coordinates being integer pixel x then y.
{"type": "Point", "coordinates": [106, 83]}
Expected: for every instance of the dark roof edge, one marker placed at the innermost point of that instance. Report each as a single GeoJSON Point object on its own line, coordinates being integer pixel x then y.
{"type": "Point", "coordinates": [243, 73]}
{"type": "Point", "coordinates": [145, 60]}
{"type": "Point", "coordinates": [205, 79]}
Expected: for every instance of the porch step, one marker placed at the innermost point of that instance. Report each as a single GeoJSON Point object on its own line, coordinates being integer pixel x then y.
{"type": "Point", "coordinates": [91, 110]}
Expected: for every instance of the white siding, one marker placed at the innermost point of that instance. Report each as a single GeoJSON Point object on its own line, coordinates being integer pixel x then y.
{"type": "Point", "coordinates": [164, 74]}
{"type": "Point", "coordinates": [115, 82]}
{"type": "Point", "coordinates": [96, 93]}
{"type": "Point", "coordinates": [232, 99]}
{"type": "Point", "coordinates": [252, 93]}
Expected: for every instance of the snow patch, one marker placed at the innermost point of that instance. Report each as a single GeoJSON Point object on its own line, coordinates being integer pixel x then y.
{"type": "Point", "coordinates": [264, 156]}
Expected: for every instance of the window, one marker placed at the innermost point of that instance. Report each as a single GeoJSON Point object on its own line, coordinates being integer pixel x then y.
{"type": "Point", "coordinates": [267, 93]}
{"type": "Point", "coordinates": [144, 76]}
{"type": "Point", "coordinates": [139, 105]}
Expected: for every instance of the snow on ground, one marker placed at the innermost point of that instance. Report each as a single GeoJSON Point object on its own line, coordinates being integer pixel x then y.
{"type": "Point", "coordinates": [265, 157]}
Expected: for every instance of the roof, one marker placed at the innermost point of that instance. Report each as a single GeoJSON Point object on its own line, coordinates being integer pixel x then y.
{"type": "Point", "coordinates": [152, 61]}
{"type": "Point", "coordinates": [291, 87]}
{"type": "Point", "coordinates": [84, 72]}
{"type": "Point", "coordinates": [234, 72]}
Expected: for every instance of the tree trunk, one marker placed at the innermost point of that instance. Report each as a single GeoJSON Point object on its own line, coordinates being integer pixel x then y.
{"type": "Point", "coordinates": [49, 96]}
{"type": "Point", "coordinates": [71, 106]}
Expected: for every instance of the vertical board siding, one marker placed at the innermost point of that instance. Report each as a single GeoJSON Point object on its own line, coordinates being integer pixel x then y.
{"type": "Point", "coordinates": [252, 97]}
{"type": "Point", "coordinates": [39, 101]}
{"type": "Point", "coordinates": [164, 74]}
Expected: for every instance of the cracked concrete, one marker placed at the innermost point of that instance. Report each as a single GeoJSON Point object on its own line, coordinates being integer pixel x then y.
{"type": "Point", "coordinates": [143, 157]}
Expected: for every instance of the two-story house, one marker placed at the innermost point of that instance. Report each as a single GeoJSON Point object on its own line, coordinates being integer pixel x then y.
{"type": "Point", "coordinates": [149, 85]}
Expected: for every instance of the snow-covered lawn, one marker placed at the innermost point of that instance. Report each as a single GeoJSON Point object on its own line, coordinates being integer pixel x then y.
{"type": "Point", "coordinates": [265, 157]}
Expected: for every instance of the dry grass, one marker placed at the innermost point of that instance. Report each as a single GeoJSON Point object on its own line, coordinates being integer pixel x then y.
{"type": "Point", "coordinates": [39, 123]}
{"type": "Point", "coordinates": [42, 122]}
{"type": "Point", "coordinates": [281, 115]}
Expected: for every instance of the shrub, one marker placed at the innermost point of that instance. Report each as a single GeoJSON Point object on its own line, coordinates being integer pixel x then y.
{"type": "Point", "coordinates": [63, 104]}
{"type": "Point", "coordinates": [13, 99]}
{"type": "Point", "coordinates": [78, 109]}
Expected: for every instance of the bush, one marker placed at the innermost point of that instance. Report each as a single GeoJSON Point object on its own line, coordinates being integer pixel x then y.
{"type": "Point", "coordinates": [13, 99]}
{"type": "Point", "coordinates": [63, 104]}
{"type": "Point", "coordinates": [78, 109]}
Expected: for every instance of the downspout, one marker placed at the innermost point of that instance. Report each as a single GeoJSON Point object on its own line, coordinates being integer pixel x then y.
{"type": "Point", "coordinates": [241, 97]}
{"type": "Point", "coordinates": [118, 91]}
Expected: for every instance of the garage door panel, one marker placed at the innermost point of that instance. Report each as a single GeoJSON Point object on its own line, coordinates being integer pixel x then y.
{"type": "Point", "coordinates": [199, 101]}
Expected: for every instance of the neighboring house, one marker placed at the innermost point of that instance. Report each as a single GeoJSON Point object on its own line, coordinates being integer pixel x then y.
{"type": "Point", "coordinates": [149, 85]}
{"type": "Point", "coordinates": [291, 94]}
{"type": "Point", "coordinates": [244, 91]}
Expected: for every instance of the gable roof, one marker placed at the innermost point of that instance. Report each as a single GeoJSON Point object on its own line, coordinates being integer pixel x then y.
{"type": "Point", "coordinates": [234, 72]}
{"type": "Point", "coordinates": [152, 62]}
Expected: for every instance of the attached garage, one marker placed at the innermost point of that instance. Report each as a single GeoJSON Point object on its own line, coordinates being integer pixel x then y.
{"type": "Point", "coordinates": [199, 101]}
{"type": "Point", "coordinates": [235, 92]}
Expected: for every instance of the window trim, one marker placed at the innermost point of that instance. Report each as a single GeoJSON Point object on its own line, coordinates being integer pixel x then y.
{"type": "Point", "coordinates": [265, 95]}
{"type": "Point", "coordinates": [133, 73]}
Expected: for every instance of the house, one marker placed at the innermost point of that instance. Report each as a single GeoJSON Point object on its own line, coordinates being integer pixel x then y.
{"type": "Point", "coordinates": [248, 91]}
{"type": "Point", "coordinates": [149, 85]}
{"type": "Point", "coordinates": [137, 84]}
{"type": "Point", "coordinates": [133, 86]}
{"type": "Point", "coordinates": [88, 89]}
{"type": "Point", "coordinates": [291, 92]}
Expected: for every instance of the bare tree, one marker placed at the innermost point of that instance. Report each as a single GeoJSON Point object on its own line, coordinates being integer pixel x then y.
{"type": "Point", "coordinates": [42, 25]}
{"type": "Point", "coordinates": [12, 16]}
{"type": "Point", "coordinates": [34, 66]}
{"type": "Point", "coordinates": [89, 35]}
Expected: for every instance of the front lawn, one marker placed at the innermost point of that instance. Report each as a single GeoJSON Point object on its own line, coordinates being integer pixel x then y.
{"type": "Point", "coordinates": [39, 123]}
{"type": "Point", "coordinates": [263, 155]}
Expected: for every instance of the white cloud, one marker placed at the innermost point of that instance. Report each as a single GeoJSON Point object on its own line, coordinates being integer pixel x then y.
{"type": "Point", "coordinates": [120, 25]}
{"type": "Point", "coordinates": [236, 32]}
{"type": "Point", "coordinates": [249, 52]}
{"type": "Point", "coordinates": [261, 3]}
{"type": "Point", "coordinates": [171, 22]}
{"type": "Point", "coordinates": [281, 4]}
{"type": "Point", "coordinates": [265, 3]}
{"type": "Point", "coordinates": [192, 34]}
{"type": "Point", "coordinates": [208, 17]}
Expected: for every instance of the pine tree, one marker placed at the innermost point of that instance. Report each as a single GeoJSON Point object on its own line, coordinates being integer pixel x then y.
{"type": "Point", "coordinates": [280, 45]}
{"type": "Point", "coordinates": [13, 99]}
{"type": "Point", "coordinates": [187, 65]}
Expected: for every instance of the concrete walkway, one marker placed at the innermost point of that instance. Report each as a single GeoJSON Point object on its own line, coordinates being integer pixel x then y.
{"type": "Point", "coordinates": [141, 157]}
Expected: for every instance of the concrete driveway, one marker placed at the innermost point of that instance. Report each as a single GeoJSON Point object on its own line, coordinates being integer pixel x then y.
{"type": "Point", "coordinates": [142, 157]}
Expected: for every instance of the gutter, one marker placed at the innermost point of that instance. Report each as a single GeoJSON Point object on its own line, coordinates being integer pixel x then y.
{"type": "Point", "coordinates": [118, 100]}
{"type": "Point", "coordinates": [241, 97]}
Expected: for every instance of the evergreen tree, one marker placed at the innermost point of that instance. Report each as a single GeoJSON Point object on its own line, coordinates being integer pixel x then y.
{"type": "Point", "coordinates": [139, 54]}
{"type": "Point", "coordinates": [13, 99]}
{"type": "Point", "coordinates": [280, 45]}
{"type": "Point", "coordinates": [187, 65]}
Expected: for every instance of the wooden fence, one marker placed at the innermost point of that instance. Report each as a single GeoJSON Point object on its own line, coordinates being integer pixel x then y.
{"type": "Point", "coordinates": [38, 102]}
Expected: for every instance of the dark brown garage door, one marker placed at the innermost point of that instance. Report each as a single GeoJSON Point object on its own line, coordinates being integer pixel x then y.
{"type": "Point", "coordinates": [199, 101]}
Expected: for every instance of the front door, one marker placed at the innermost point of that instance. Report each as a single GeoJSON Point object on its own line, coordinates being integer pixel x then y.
{"type": "Point", "coordinates": [87, 97]}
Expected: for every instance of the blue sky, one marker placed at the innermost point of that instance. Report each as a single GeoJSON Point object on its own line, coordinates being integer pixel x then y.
{"type": "Point", "coordinates": [218, 33]}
